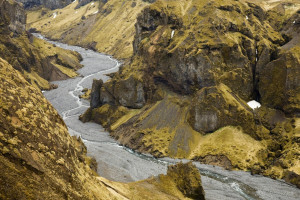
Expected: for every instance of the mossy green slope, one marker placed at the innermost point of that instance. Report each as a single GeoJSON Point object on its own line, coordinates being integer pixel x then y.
{"type": "Point", "coordinates": [105, 27]}
{"type": "Point", "coordinates": [37, 60]}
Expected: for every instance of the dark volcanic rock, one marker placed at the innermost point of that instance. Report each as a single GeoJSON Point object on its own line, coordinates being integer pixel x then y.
{"type": "Point", "coordinates": [279, 84]}
{"type": "Point", "coordinates": [13, 16]}
{"type": "Point", "coordinates": [95, 93]}
{"type": "Point", "coordinates": [51, 4]}
{"type": "Point", "coordinates": [292, 177]}
{"type": "Point", "coordinates": [82, 3]}
{"type": "Point", "coordinates": [128, 93]}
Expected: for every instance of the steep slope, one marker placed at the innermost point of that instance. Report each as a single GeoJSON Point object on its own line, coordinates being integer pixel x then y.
{"type": "Point", "coordinates": [38, 60]}
{"type": "Point", "coordinates": [38, 157]}
{"type": "Point", "coordinates": [196, 64]}
{"type": "Point", "coordinates": [40, 160]}
{"type": "Point", "coordinates": [105, 26]}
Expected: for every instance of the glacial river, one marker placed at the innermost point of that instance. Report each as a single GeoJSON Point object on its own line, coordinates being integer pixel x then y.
{"type": "Point", "coordinates": [119, 163]}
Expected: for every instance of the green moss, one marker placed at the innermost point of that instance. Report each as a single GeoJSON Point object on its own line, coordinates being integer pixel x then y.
{"type": "Point", "coordinates": [107, 114]}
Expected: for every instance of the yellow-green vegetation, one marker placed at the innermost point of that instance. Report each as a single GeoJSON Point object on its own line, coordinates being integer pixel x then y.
{"type": "Point", "coordinates": [161, 129]}
{"type": "Point", "coordinates": [36, 59]}
{"type": "Point", "coordinates": [125, 118]}
{"type": "Point", "coordinates": [270, 4]}
{"type": "Point", "coordinates": [242, 150]}
{"type": "Point", "coordinates": [186, 178]}
{"type": "Point", "coordinates": [108, 114]}
{"type": "Point", "coordinates": [107, 28]}
{"type": "Point", "coordinates": [38, 157]}
{"type": "Point", "coordinates": [86, 95]}
{"type": "Point", "coordinates": [195, 65]}
{"type": "Point", "coordinates": [181, 182]}
{"type": "Point", "coordinates": [36, 80]}
{"type": "Point", "coordinates": [44, 20]}
{"type": "Point", "coordinates": [50, 63]}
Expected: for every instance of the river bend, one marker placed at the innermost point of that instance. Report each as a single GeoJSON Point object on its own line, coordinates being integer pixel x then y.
{"type": "Point", "coordinates": [121, 164]}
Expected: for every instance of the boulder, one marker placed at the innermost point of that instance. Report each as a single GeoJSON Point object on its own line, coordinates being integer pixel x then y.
{"type": "Point", "coordinates": [187, 179]}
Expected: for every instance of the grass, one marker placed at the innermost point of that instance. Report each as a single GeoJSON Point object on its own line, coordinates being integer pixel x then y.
{"type": "Point", "coordinates": [231, 142]}
{"type": "Point", "coordinates": [110, 31]}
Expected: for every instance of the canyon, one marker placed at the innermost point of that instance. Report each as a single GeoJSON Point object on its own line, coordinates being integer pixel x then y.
{"type": "Point", "coordinates": [158, 93]}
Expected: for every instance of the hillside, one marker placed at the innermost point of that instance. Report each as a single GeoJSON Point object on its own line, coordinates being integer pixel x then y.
{"type": "Point", "coordinates": [36, 59]}
{"type": "Point", "coordinates": [105, 26]}
{"type": "Point", "coordinates": [195, 66]}
{"type": "Point", "coordinates": [40, 160]}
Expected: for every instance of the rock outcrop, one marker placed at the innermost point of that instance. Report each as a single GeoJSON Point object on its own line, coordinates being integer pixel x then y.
{"type": "Point", "coordinates": [128, 92]}
{"type": "Point", "coordinates": [13, 16]}
{"type": "Point", "coordinates": [38, 60]}
{"type": "Point", "coordinates": [279, 84]}
{"type": "Point", "coordinates": [187, 179]}
{"type": "Point", "coordinates": [95, 94]}
{"type": "Point", "coordinates": [51, 4]}
{"type": "Point", "coordinates": [217, 107]}
{"type": "Point", "coordinates": [197, 64]}
{"type": "Point", "coordinates": [84, 2]}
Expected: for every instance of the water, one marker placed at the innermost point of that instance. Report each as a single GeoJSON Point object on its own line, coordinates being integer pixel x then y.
{"type": "Point", "coordinates": [118, 163]}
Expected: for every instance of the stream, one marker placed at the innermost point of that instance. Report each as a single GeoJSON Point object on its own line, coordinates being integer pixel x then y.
{"type": "Point", "coordinates": [118, 163]}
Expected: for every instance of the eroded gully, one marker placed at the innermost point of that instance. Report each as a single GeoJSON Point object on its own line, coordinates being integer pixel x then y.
{"type": "Point", "coordinates": [118, 163]}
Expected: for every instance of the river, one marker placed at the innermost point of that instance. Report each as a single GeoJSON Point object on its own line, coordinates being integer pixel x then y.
{"type": "Point", "coordinates": [119, 163]}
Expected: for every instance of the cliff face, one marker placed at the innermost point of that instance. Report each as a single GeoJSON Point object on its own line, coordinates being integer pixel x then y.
{"type": "Point", "coordinates": [105, 26]}
{"type": "Point", "coordinates": [51, 4]}
{"type": "Point", "coordinates": [13, 16]}
{"type": "Point", "coordinates": [38, 60]}
{"type": "Point", "coordinates": [195, 67]}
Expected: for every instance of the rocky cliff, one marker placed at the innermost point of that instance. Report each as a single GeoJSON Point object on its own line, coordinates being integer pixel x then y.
{"type": "Point", "coordinates": [12, 16]}
{"type": "Point", "coordinates": [196, 64]}
{"type": "Point", "coordinates": [38, 60]}
{"type": "Point", "coordinates": [104, 26]}
{"type": "Point", "coordinates": [51, 4]}
{"type": "Point", "coordinates": [40, 160]}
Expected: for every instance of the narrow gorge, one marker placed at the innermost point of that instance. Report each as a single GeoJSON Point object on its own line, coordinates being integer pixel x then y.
{"type": "Point", "coordinates": [145, 99]}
